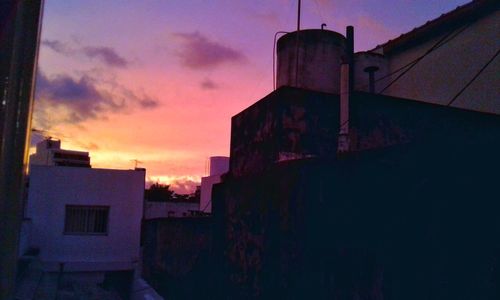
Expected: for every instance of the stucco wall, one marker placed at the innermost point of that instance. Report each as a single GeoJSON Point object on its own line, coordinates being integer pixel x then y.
{"type": "Point", "coordinates": [410, 213]}
{"type": "Point", "coordinates": [403, 223]}
{"type": "Point", "coordinates": [177, 257]}
{"type": "Point", "coordinates": [439, 76]}
{"type": "Point", "coordinates": [51, 188]}
{"type": "Point", "coordinates": [289, 123]}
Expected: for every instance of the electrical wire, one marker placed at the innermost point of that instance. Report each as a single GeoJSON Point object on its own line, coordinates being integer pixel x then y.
{"type": "Point", "coordinates": [445, 39]}
{"type": "Point", "coordinates": [417, 59]}
{"type": "Point", "coordinates": [473, 78]}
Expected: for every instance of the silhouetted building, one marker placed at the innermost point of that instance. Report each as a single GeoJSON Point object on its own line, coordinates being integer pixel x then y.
{"type": "Point", "coordinates": [345, 194]}
{"type": "Point", "coordinates": [161, 202]}
{"type": "Point", "coordinates": [49, 153]}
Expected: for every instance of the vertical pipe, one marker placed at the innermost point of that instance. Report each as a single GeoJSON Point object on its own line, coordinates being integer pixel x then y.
{"type": "Point", "coordinates": [19, 35]}
{"type": "Point", "coordinates": [350, 54]}
{"type": "Point", "coordinates": [343, 141]}
{"type": "Point", "coordinates": [371, 81]}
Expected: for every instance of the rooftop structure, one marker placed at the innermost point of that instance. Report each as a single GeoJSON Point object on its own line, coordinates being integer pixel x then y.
{"type": "Point", "coordinates": [81, 225]}
{"type": "Point", "coordinates": [49, 153]}
{"type": "Point", "coordinates": [384, 188]}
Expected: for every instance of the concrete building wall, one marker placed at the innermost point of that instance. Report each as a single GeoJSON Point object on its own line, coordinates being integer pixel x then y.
{"type": "Point", "coordinates": [52, 188]}
{"type": "Point", "coordinates": [409, 214]}
{"type": "Point", "coordinates": [49, 153]}
{"type": "Point", "coordinates": [218, 166]}
{"type": "Point", "coordinates": [25, 236]}
{"type": "Point", "coordinates": [287, 124]}
{"type": "Point", "coordinates": [177, 258]}
{"type": "Point", "coordinates": [440, 75]}
{"type": "Point", "coordinates": [154, 210]}
{"type": "Point", "coordinates": [206, 192]}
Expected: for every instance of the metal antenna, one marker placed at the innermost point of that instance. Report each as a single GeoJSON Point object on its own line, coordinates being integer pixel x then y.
{"type": "Point", "coordinates": [297, 46]}
{"type": "Point", "coordinates": [136, 162]}
{"type": "Point", "coordinates": [298, 16]}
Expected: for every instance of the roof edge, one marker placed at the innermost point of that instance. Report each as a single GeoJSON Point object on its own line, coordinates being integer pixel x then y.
{"type": "Point", "coordinates": [448, 21]}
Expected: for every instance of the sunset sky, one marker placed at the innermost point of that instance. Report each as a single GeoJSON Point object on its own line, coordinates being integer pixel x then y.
{"type": "Point", "coordinates": [158, 80]}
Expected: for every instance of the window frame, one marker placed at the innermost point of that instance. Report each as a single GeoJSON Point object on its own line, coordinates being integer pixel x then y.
{"type": "Point", "coordinates": [87, 208]}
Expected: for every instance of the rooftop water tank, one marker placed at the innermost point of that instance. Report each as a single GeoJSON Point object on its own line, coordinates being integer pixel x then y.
{"type": "Point", "coordinates": [319, 58]}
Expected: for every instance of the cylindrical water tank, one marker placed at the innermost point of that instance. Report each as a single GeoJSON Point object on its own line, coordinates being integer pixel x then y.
{"type": "Point", "coordinates": [219, 165]}
{"type": "Point", "coordinates": [319, 58]}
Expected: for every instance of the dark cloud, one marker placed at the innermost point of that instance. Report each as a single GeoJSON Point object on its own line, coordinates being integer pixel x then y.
{"type": "Point", "coordinates": [208, 84]}
{"type": "Point", "coordinates": [57, 46]}
{"type": "Point", "coordinates": [198, 52]}
{"type": "Point", "coordinates": [65, 88]}
{"type": "Point", "coordinates": [107, 55]}
{"type": "Point", "coordinates": [148, 103]}
{"type": "Point", "coordinates": [82, 99]}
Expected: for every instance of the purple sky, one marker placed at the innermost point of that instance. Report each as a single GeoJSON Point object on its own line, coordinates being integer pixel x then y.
{"type": "Point", "coordinates": [158, 81]}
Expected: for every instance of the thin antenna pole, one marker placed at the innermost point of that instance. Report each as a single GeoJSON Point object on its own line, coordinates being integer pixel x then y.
{"type": "Point", "coordinates": [298, 17]}
{"type": "Point", "coordinates": [297, 46]}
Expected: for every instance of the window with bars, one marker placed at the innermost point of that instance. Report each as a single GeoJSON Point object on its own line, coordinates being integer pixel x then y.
{"type": "Point", "coordinates": [83, 219]}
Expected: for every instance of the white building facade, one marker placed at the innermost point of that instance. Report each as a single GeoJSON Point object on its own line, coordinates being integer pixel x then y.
{"type": "Point", "coordinates": [218, 166]}
{"type": "Point", "coordinates": [85, 219]}
{"type": "Point", "coordinates": [49, 153]}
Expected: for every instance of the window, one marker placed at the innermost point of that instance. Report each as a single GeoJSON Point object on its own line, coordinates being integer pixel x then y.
{"type": "Point", "coordinates": [91, 220]}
